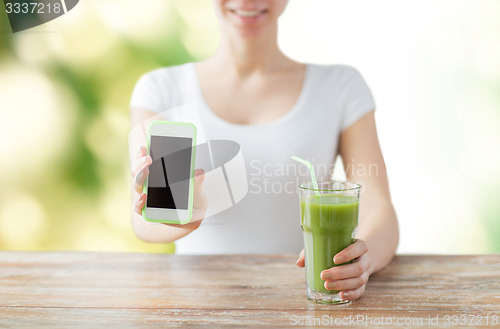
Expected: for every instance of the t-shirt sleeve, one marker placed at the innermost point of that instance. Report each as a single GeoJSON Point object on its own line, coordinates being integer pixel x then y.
{"type": "Point", "coordinates": [358, 99]}
{"type": "Point", "coordinates": [147, 94]}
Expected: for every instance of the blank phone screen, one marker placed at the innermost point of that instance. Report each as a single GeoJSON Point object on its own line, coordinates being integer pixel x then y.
{"type": "Point", "coordinates": [169, 174]}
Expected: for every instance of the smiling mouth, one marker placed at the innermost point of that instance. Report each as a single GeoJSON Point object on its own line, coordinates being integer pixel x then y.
{"type": "Point", "coordinates": [248, 13]}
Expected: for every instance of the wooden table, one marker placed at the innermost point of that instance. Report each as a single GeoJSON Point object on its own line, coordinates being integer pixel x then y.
{"type": "Point", "coordinates": [125, 290]}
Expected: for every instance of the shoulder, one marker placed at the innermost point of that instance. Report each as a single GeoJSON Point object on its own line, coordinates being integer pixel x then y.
{"type": "Point", "coordinates": [165, 76]}
{"type": "Point", "coordinates": [157, 90]}
{"type": "Point", "coordinates": [338, 79]}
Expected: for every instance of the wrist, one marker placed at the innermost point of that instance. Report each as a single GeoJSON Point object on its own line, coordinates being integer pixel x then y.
{"type": "Point", "coordinates": [191, 226]}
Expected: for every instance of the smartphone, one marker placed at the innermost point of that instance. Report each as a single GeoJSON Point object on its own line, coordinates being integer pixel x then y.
{"type": "Point", "coordinates": [169, 185]}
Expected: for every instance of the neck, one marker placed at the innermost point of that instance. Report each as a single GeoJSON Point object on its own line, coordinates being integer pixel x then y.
{"type": "Point", "coordinates": [251, 54]}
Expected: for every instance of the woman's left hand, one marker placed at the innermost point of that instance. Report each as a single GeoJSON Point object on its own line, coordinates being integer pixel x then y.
{"type": "Point", "coordinates": [351, 278]}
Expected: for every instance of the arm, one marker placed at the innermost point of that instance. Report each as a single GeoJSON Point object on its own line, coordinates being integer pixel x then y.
{"type": "Point", "coordinates": [154, 232]}
{"type": "Point", "coordinates": [377, 234]}
{"type": "Point", "coordinates": [364, 163]}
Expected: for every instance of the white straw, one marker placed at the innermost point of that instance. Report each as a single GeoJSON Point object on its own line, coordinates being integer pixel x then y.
{"type": "Point", "coordinates": [311, 170]}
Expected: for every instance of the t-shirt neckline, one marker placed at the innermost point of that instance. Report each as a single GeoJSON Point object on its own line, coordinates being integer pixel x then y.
{"type": "Point", "coordinates": [281, 120]}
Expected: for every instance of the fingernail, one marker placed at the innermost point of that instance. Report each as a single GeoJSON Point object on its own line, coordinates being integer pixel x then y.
{"type": "Point", "coordinates": [144, 160]}
{"type": "Point", "coordinates": [338, 261]}
{"type": "Point", "coordinates": [345, 294]}
{"type": "Point", "coordinates": [139, 175]}
{"type": "Point", "coordinates": [330, 285]}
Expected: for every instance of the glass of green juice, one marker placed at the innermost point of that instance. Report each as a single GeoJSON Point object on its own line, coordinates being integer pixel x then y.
{"type": "Point", "coordinates": [328, 217]}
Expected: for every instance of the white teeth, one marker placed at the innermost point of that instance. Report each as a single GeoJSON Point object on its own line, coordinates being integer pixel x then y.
{"type": "Point", "coordinates": [247, 13]}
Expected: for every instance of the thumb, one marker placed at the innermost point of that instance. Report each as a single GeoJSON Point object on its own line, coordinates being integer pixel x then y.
{"type": "Point", "coordinates": [199, 176]}
{"type": "Point", "coordinates": [301, 260]}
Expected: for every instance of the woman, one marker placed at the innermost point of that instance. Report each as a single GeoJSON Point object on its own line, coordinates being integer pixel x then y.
{"type": "Point", "coordinates": [251, 93]}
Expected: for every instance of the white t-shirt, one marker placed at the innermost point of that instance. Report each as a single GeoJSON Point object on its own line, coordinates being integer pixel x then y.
{"type": "Point", "coordinates": [267, 220]}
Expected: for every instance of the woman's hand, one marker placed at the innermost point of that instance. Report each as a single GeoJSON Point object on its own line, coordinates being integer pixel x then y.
{"type": "Point", "coordinates": [140, 170]}
{"type": "Point", "coordinates": [351, 278]}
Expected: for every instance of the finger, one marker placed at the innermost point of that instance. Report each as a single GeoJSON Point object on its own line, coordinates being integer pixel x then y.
{"type": "Point", "coordinates": [301, 261]}
{"type": "Point", "coordinates": [140, 178]}
{"type": "Point", "coordinates": [353, 251]}
{"type": "Point", "coordinates": [347, 284]}
{"type": "Point", "coordinates": [140, 164]}
{"type": "Point", "coordinates": [346, 271]}
{"type": "Point", "coordinates": [353, 294]}
{"type": "Point", "coordinates": [199, 176]}
{"type": "Point", "coordinates": [142, 152]}
{"type": "Point", "coordinates": [139, 204]}
{"type": "Point", "coordinates": [200, 198]}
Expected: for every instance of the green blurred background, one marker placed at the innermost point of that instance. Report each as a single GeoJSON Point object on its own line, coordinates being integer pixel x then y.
{"type": "Point", "coordinates": [65, 88]}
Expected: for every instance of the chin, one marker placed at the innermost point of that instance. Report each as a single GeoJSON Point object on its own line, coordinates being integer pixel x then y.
{"type": "Point", "coordinates": [250, 28]}
{"type": "Point", "coordinates": [249, 33]}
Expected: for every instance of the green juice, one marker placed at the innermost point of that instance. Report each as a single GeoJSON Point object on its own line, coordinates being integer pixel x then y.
{"type": "Point", "coordinates": [328, 224]}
